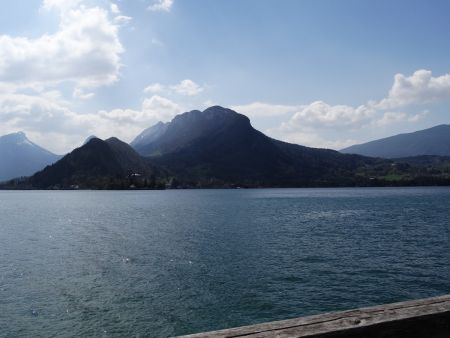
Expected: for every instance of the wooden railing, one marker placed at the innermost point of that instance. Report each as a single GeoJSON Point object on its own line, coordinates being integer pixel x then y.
{"type": "Point", "coordinates": [425, 318]}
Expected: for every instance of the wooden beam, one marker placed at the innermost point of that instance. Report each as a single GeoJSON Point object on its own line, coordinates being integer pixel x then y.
{"type": "Point", "coordinates": [425, 318]}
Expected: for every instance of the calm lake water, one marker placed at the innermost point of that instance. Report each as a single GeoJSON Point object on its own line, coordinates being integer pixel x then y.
{"type": "Point", "coordinates": [163, 263]}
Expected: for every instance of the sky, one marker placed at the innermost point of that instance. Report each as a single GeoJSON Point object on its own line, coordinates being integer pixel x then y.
{"type": "Point", "coordinates": [321, 73]}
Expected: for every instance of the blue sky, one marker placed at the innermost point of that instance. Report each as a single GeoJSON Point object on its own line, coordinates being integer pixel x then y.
{"type": "Point", "coordinates": [319, 73]}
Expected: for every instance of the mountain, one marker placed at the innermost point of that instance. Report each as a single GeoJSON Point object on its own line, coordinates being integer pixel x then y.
{"type": "Point", "coordinates": [88, 139]}
{"type": "Point", "coordinates": [21, 157]}
{"type": "Point", "coordinates": [110, 164]}
{"type": "Point", "coordinates": [219, 147]}
{"type": "Point", "coordinates": [432, 141]}
{"type": "Point", "coordinates": [149, 135]}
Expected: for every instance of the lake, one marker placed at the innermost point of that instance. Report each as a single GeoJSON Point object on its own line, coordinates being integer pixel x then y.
{"type": "Point", "coordinates": [163, 263]}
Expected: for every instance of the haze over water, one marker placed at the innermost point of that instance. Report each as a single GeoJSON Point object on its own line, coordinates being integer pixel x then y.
{"type": "Point", "coordinates": [162, 263]}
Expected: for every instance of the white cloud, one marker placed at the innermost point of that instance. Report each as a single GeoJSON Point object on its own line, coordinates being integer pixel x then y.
{"type": "Point", "coordinates": [261, 109]}
{"type": "Point", "coordinates": [80, 94]}
{"type": "Point", "coordinates": [42, 113]}
{"type": "Point", "coordinates": [122, 20]}
{"type": "Point", "coordinates": [153, 109]}
{"type": "Point", "coordinates": [319, 118]}
{"type": "Point", "coordinates": [389, 118]}
{"type": "Point", "coordinates": [323, 115]}
{"type": "Point", "coordinates": [161, 5]}
{"type": "Point", "coordinates": [160, 108]}
{"type": "Point", "coordinates": [62, 5]}
{"type": "Point", "coordinates": [187, 87]}
{"type": "Point", "coordinates": [118, 18]}
{"type": "Point", "coordinates": [392, 117]}
{"type": "Point", "coordinates": [311, 121]}
{"type": "Point", "coordinates": [308, 137]}
{"type": "Point", "coordinates": [85, 50]}
{"type": "Point", "coordinates": [419, 117]}
{"type": "Point", "coordinates": [114, 8]}
{"type": "Point", "coordinates": [155, 88]}
{"type": "Point", "coordinates": [208, 103]}
{"type": "Point", "coordinates": [419, 88]}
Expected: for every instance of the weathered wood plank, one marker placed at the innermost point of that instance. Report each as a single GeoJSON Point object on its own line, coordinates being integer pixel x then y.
{"type": "Point", "coordinates": [426, 318]}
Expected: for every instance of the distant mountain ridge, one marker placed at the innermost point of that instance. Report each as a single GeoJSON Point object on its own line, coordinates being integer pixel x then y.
{"type": "Point", "coordinates": [431, 141]}
{"type": "Point", "coordinates": [21, 157]}
{"type": "Point", "coordinates": [219, 148]}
